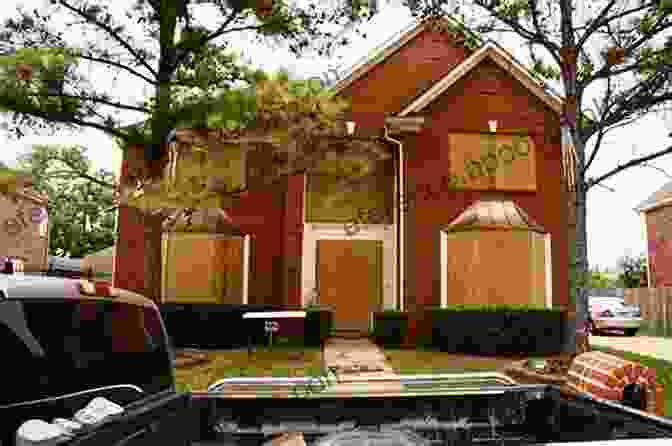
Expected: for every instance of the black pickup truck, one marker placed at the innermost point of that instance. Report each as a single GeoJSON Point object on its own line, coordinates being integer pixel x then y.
{"type": "Point", "coordinates": [65, 342]}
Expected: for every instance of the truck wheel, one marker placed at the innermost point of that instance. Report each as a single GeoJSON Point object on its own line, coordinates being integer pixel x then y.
{"type": "Point", "coordinates": [631, 331]}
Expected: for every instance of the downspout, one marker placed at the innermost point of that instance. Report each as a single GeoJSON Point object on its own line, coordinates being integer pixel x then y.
{"type": "Point", "coordinates": [400, 217]}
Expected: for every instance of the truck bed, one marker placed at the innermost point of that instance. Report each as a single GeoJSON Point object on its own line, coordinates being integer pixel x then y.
{"type": "Point", "coordinates": [489, 415]}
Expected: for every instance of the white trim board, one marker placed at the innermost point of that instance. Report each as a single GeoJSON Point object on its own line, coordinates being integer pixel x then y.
{"type": "Point", "coordinates": [499, 56]}
{"type": "Point", "coordinates": [336, 231]}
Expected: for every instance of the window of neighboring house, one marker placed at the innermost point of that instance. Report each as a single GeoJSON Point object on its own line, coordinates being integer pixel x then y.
{"type": "Point", "coordinates": [44, 226]}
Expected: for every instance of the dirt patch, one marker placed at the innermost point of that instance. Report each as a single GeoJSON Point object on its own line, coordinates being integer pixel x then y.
{"type": "Point", "coordinates": [406, 361]}
{"type": "Point", "coordinates": [189, 359]}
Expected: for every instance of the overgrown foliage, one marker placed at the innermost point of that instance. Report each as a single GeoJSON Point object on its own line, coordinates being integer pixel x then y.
{"type": "Point", "coordinates": [601, 280]}
{"type": "Point", "coordinates": [633, 272]}
{"type": "Point", "coordinates": [176, 54]}
{"type": "Point", "coordinates": [79, 199]}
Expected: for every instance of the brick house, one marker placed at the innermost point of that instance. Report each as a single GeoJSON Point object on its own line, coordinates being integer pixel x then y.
{"type": "Point", "coordinates": [24, 235]}
{"type": "Point", "coordinates": [656, 218]}
{"type": "Point", "coordinates": [454, 107]}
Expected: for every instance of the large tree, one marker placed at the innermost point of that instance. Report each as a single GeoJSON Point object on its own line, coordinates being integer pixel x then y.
{"type": "Point", "coordinates": [613, 59]}
{"type": "Point", "coordinates": [181, 51]}
{"type": "Point", "coordinates": [79, 198]}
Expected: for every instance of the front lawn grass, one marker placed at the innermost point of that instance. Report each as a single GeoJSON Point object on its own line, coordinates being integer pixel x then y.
{"type": "Point", "coordinates": [663, 371]}
{"type": "Point", "coordinates": [426, 361]}
{"type": "Point", "coordinates": [276, 362]}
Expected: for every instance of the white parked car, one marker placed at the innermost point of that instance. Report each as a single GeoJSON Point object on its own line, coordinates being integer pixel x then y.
{"type": "Point", "coordinates": [612, 313]}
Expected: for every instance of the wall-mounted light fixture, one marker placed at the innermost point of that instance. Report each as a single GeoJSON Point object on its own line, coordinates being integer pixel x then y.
{"type": "Point", "coordinates": [493, 126]}
{"type": "Point", "coordinates": [350, 126]}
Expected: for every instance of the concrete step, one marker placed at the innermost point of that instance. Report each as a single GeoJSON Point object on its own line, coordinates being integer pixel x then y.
{"type": "Point", "coordinates": [349, 334]}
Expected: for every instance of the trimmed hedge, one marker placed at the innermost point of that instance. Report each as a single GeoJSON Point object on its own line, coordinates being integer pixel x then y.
{"type": "Point", "coordinates": [390, 328]}
{"type": "Point", "coordinates": [222, 325]}
{"type": "Point", "coordinates": [497, 329]}
{"type": "Point", "coordinates": [318, 326]}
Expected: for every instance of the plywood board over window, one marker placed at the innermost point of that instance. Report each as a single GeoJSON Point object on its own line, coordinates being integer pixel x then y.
{"type": "Point", "coordinates": [329, 202]}
{"type": "Point", "coordinates": [495, 267]}
{"type": "Point", "coordinates": [203, 268]}
{"type": "Point", "coordinates": [491, 161]}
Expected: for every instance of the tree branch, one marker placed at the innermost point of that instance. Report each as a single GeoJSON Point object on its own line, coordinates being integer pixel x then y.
{"type": "Point", "coordinates": [115, 35]}
{"type": "Point", "coordinates": [532, 6]}
{"type": "Point", "coordinates": [98, 100]}
{"type": "Point", "coordinates": [631, 163]}
{"type": "Point", "coordinates": [78, 174]}
{"type": "Point", "coordinates": [595, 25]}
{"type": "Point", "coordinates": [607, 70]}
{"type": "Point", "coordinates": [521, 30]}
{"type": "Point", "coordinates": [70, 119]}
{"type": "Point", "coordinates": [217, 33]}
{"type": "Point", "coordinates": [117, 65]}
{"type": "Point", "coordinates": [598, 144]}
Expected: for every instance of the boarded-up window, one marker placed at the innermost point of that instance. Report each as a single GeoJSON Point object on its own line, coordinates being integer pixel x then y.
{"type": "Point", "coordinates": [327, 202]}
{"type": "Point", "coordinates": [203, 269]}
{"type": "Point", "coordinates": [496, 267]}
{"type": "Point", "coordinates": [223, 165]}
{"type": "Point", "coordinates": [481, 161]}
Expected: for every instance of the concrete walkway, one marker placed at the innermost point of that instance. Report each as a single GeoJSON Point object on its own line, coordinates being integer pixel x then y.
{"type": "Point", "coordinates": [355, 362]}
{"type": "Point", "coordinates": [660, 348]}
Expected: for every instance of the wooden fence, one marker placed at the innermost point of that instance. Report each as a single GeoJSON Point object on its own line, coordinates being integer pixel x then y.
{"type": "Point", "coordinates": [656, 305]}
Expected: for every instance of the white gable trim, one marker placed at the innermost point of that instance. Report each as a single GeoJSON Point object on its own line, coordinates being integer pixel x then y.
{"type": "Point", "coordinates": [500, 57]}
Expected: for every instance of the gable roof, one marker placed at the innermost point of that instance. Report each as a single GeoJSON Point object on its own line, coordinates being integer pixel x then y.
{"type": "Point", "coordinates": [659, 198]}
{"type": "Point", "coordinates": [384, 51]}
{"type": "Point", "coordinates": [501, 57]}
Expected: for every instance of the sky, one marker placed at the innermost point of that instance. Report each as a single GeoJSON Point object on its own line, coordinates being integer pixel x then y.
{"type": "Point", "coordinates": [614, 228]}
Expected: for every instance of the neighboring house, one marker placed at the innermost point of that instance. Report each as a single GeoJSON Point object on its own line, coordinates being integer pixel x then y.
{"type": "Point", "coordinates": [656, 218]}
{"type": "Point", "coordinates": [449, 246]}
{"type": "Point", "coordinates": [24, 228]}
{"type": "Point", "coordinates": [100, 263]}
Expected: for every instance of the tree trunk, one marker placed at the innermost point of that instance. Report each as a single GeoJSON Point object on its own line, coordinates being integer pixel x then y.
{"type": "Point", "coordinates": [569, 53]}
{"type": "Point", "coordinates": [581, 242]}
{"type": "Point", "coordinates": [161, 126]}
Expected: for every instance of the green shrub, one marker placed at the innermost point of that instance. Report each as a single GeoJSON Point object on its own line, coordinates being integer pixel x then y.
{"type": "Point", "coordinates": [390, 328]}
{"type": "Point", "coordinates": [318, 325]}
{"type": "Point", "coordinates": [497, 329]}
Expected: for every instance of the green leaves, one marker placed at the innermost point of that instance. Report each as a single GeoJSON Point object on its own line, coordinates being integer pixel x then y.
{"type": "Point", "coordinates": [78, 198]}
{"type": "Point", "coordinates": [512, 8]}
{"type": "Point", "coordinates": [546, 71]}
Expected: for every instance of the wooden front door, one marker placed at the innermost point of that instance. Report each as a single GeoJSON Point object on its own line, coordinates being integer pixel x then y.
{"type": "Point", "coordinates": [349, 276]}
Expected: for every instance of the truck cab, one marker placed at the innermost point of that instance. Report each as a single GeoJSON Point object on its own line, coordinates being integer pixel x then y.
{"type": "Point", "coordinates": [68, 341]}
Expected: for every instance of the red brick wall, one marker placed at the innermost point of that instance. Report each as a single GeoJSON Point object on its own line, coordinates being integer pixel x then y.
{"type": "Point", "coordinates": [261, 214]}
{"type": "Point", "coordinates": [659, 236]}
{"type": "Point", "coordinates": [293, 236]}
{"type": "Point", "coordinates": [272, 217]}
{"type": "Point", "coordinates": [129, 259]}
{"type": "Point", "coordinates": [487, 93]}
{"type": "Point", "coordinates": [466, 107]}
{"type": "Point", "coordinates": [406, 74]}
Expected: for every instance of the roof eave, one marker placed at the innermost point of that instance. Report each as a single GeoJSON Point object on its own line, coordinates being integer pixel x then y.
{"type": "Point", "coordinates": [501, 57]}
{"type": "Point", "coordinates": [366, 64]}
{"type": "Point", "coordinates": [654, 206]}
